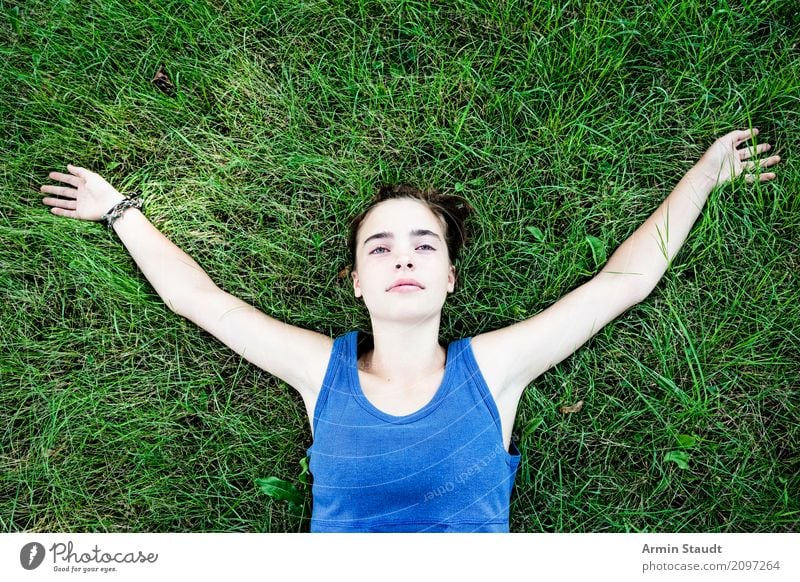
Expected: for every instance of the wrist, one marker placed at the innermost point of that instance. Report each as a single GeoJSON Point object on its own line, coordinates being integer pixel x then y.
{"type": "Point", "coordinates": [117, 211]}
{"type": "Point", "coordinates": [125, 220]}
{"type": "Point", "coordinates": [114, 200]}
{"type": "Point", "coordinates": [702, 177]}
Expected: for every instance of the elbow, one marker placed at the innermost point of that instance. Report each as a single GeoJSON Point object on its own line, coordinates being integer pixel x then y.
{"type": "Point", "coordinates": [189, 301]}
{"type": "Point", "coordinates": [641, 294]}
{"type": "Point", "coordinates": [176, 300]}
{"type": "Point", "coordinates": [173, 307]}
{"type": "Point", "coordinates": [627, 290]}
{"type": "Point", "coordinates": [173, 304]}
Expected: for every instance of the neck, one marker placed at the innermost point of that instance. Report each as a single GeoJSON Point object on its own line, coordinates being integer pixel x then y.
{"type": "Point", "coordinates": [404, 352]}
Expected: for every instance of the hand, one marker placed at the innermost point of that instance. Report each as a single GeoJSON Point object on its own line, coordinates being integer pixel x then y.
{"type": "Point", "coordinates": [89, 199]}
{"type": "Point", "coordinates": [723, 162]}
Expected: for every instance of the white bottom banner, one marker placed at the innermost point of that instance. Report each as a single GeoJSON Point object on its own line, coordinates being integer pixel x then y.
{"type": "Point", "coordinates": [355, 557]}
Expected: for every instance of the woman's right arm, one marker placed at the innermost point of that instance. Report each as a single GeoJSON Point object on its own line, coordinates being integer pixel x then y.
{"type": "Point", "coordinates": [297, 356]}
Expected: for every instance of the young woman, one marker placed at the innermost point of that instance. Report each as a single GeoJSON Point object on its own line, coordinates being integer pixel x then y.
{"type": "Point", "coordinates": [410, 435]}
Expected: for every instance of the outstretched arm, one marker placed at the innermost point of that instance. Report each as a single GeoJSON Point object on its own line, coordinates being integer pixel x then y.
{"type": "Point", "coordinates": [644, 257]}
{"type": "Point", "coordinates": [172, 273]}
{"type": "Point", "coordinates": [512, 357]}
{"type": "Point", "coordinates": [297, 356]}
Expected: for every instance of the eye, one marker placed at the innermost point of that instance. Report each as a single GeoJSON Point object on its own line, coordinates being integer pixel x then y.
{"type": "Point", "coordinates": [427, 247]}
{"type": "Point", "coordinates": [376, 249]}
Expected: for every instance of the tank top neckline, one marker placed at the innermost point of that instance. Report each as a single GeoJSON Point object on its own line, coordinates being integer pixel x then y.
{"type": "Point", "coordinates": [362, 399]}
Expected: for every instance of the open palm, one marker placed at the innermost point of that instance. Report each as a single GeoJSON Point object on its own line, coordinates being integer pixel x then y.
{"type": "Point", "coordinates": [89, 198]}
{"type": "Point", "coordinates": [725, 160]}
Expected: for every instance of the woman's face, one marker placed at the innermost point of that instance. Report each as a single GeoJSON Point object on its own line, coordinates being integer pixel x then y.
{"type": "Point", "coordinates": [402, 240]}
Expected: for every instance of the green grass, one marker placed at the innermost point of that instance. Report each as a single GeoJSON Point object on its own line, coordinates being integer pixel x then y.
{"type": "Point", "coordinates": [118, 415]}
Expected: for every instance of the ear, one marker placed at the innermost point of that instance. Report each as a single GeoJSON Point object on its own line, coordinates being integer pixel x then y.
{"type": "Point", "coordinates": [451, 279]}
{"type": "Point", "coordinates": [356, 284]}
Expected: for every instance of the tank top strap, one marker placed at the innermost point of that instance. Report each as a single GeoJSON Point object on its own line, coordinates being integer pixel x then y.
{"type": "Point", "coordinates": [472, 374]}
{"type": "Point", "coordinates": [341, 358]}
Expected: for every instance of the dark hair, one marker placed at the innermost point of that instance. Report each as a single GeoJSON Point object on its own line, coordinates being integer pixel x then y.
{"type": "Point", "coordinates": [453, 210]}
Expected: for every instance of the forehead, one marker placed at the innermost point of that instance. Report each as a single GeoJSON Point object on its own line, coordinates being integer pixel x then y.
{"type": "Point", "coordinates": [400, 215]}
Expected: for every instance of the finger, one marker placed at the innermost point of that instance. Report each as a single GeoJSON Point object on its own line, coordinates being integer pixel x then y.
{"type": "Point", "coordinates": [770, 161]}
{"type": "Point", "coordinates": [765, 177]}
{"type": "Point", "coordinates": [747, 153]}
{"type": "Point", "coordinates": [62, 212]}
{"type": "Point", "coordinates": [743, 134]}
{"type": "Point", "coordinates": [61, 203]}
{"type": "Point", "coordinates": [78, 171]}
{"type": "Point", "coordinates": [68, 178]}
{"type": "Point", "coordinates": [59, 191]}
{"type": "Point", "coordinates": [765, 163]}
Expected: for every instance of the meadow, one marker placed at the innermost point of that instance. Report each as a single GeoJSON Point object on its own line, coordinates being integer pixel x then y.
{"type": "Point", "coordinates": [254, 129]}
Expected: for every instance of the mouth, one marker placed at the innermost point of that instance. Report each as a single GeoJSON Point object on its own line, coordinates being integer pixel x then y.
{"type": "Point", "coordinates": [404, 285]}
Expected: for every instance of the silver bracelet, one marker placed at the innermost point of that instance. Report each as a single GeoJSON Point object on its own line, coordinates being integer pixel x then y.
{"type": "Point", "coordinates": [120, 207]}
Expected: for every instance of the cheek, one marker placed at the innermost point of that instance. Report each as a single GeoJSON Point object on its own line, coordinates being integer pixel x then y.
{"type": "Point", "coordinates": [365, 280]}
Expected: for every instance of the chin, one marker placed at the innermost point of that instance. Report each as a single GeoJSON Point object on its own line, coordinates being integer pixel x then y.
{"type": "Point", "coordinates": [409, 311]}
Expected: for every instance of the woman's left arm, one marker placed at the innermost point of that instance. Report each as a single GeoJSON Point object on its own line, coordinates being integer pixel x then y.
{"type": "Point", "coordinates": [510, 358]}
{"type": "Point", "coordinates": [645, 256]}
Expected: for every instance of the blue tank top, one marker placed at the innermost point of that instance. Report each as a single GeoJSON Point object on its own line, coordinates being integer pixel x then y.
{"type": "Point", "coordinates": [442, 468]}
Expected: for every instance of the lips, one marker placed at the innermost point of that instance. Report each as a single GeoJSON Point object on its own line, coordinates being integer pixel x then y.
{"type": "Point", "coordinates": [404, 283]}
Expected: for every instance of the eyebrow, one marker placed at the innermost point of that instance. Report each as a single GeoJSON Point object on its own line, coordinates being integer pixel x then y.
{"type": "Point", "coordinates": [389, 235]}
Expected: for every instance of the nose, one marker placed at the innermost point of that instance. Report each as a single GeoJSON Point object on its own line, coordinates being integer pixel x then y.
{"type": "Point", "coordinates": [404, 260]}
